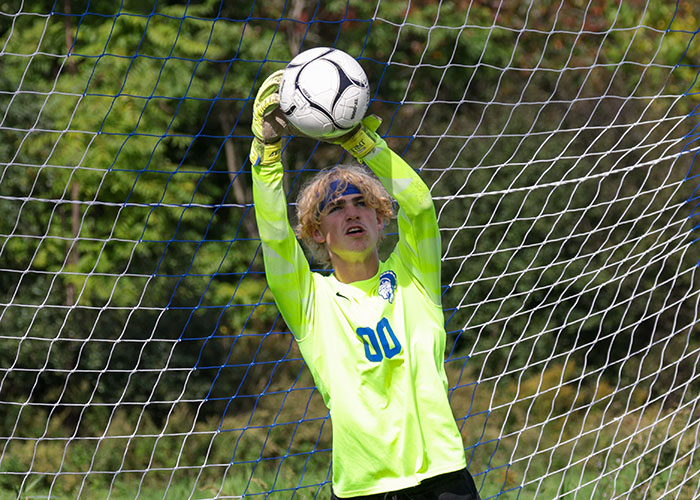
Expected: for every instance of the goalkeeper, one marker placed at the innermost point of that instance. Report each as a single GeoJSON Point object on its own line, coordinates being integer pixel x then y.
{"type": "Point", "coordinates": [371, 333]}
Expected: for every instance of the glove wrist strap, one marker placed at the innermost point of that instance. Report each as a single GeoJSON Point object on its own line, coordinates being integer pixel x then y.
{"type": "Point", "coordinates": [364, 139]}
{"type": "Point", "coordinates": [360, 143]}
{"type": "Point", "coordinates": [265, 154]}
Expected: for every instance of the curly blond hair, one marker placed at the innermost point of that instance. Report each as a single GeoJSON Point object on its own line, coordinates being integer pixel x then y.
{"type": "Point", "coordinates": [313, 197]}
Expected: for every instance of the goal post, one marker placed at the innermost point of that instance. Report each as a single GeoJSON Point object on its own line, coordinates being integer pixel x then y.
{"type": "Point", "coordinates": [141, 352]}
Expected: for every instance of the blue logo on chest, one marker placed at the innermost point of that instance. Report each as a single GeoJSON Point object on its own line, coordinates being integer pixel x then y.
{"type": "Point", "coordinates": [387, 285]}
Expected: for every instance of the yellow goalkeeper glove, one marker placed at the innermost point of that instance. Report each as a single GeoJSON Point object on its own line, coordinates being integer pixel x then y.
{"type": "Point", "coordinates": [362, 140]}
{"type": "Point", "coordinates": [268, 122]}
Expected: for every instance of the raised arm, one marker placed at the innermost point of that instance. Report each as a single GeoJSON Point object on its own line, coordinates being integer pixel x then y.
{"type": "Point", "coordinates": [419, 236]}
{"type": "Point", "coordinates": [286, 268]}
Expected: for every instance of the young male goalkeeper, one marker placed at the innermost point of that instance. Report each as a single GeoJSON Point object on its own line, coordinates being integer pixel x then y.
{"type": "Point", "coordinates": [371, 333]}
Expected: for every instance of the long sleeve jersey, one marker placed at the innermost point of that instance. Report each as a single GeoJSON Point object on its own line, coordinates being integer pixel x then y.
{"type": "Point", "coordinates": [375, 347]}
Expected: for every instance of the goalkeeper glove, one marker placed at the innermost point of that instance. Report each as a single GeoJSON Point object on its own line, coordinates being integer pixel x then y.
{"type": "Point", "coordinates": [362, 140]}
{"type": "Point", "coordinates": [268, 122]}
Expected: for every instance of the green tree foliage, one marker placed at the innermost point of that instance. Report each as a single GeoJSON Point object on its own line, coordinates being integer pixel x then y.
{"type": "Point", "coordinates": [127, 242]}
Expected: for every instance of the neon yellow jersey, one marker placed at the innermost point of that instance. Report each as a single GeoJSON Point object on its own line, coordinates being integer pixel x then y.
{"type": "Point", "coordinates": [375, 347]}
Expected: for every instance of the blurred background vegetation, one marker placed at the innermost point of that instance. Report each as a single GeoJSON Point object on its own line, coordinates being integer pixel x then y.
{"type": "Point", "coordinates": [133, 299]}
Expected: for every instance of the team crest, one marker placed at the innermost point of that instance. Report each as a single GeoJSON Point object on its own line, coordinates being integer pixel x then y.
{"type": "Point", "coordinates": [387, 286]}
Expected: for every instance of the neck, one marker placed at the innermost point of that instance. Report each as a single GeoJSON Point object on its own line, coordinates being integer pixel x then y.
{"type": "Point", "coordinates": [350, 271]}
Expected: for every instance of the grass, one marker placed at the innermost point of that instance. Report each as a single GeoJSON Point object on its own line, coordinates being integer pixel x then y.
{"type": "Point", "coordinates": [526, 439]}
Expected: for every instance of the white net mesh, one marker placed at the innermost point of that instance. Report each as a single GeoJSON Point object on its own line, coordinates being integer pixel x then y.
{"type": "Point", "coordinates": [142, 356]}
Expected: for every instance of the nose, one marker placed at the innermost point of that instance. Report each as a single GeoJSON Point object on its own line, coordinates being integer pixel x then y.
{"type": "Point", "coordinates": [351, 211]}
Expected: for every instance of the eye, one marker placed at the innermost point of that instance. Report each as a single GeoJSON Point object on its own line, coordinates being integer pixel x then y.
{"type": "Point", "coordinates": [334, 208]}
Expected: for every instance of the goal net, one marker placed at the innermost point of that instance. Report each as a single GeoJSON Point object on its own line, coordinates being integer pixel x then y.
{"type": "Point", "coordinates": [141, 354]}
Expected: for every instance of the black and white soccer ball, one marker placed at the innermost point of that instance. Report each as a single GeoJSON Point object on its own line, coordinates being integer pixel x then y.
{"type": "Point", "coordinates": [324, 92]}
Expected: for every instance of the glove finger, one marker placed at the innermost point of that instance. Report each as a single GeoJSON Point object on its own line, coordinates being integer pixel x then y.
{"type": "Point", "coordinates": [270, 85]}
{"type": "Point", "coordinates": [267, 102]}
{"type": "Point", "coordinates": [274, 78]}
{"type": "Point", "coordinates": [268, 105]}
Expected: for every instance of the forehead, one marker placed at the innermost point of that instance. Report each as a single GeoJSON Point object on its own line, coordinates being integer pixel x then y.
{"type": "Point", "coordinates": [346, 198]}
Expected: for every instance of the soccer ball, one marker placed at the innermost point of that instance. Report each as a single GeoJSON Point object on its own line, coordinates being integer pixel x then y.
{"type": "Point", "coordinates": [324, 92]}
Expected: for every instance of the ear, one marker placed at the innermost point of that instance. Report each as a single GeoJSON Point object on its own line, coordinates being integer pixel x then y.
{"type": "Point", "coordinates": [381, 221]}
{"type": "Point", "coordinates": [318, 236]}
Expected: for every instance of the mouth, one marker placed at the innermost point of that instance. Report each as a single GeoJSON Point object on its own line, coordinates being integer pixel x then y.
{"type": "Point", "coordinates": [355, 231]}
